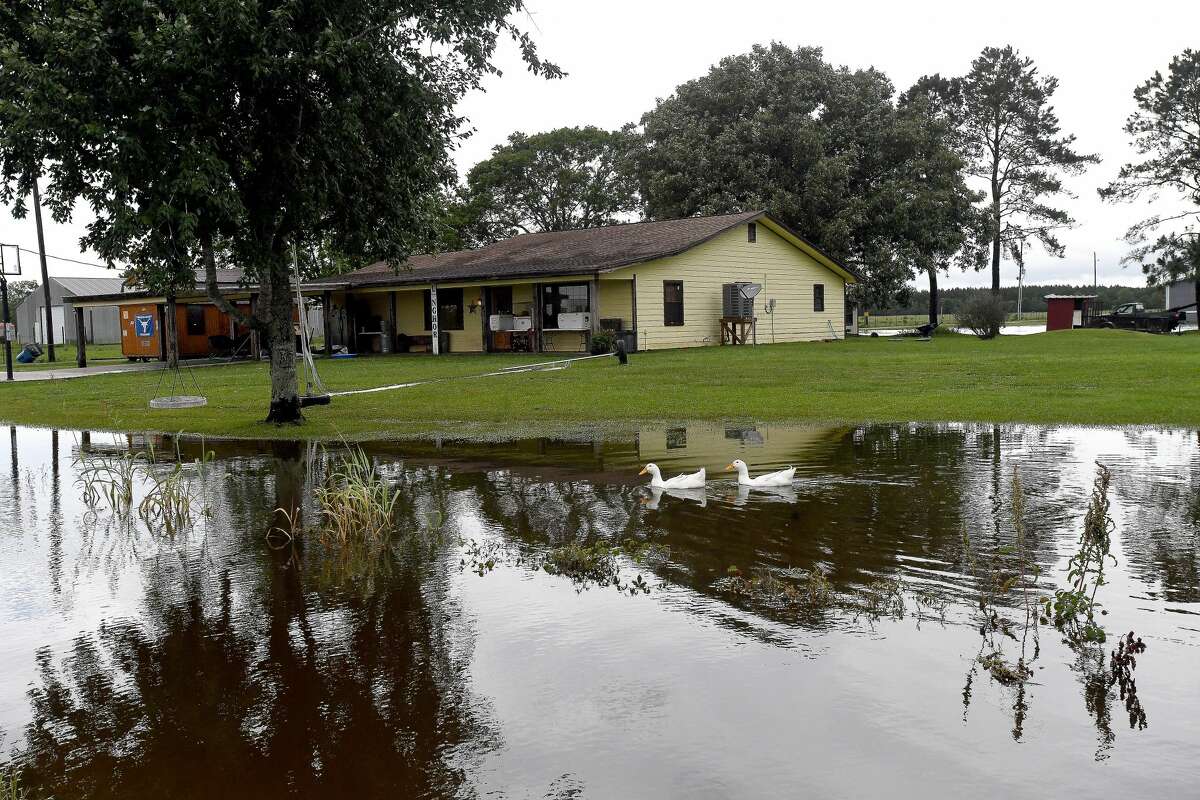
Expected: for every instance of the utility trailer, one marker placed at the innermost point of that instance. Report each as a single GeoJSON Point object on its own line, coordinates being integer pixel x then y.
{"type": "Point", "coordinates": [1135, 317]}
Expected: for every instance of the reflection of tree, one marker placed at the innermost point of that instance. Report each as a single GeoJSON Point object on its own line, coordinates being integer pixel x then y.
{"type": "Point", "coordinates": [328, 694]}
{"type": "Point", "coordinates": [1162, 543]}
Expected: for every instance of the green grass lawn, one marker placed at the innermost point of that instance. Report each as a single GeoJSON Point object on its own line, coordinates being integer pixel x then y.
{"type": "Point", "coordinates": [1084, 377]}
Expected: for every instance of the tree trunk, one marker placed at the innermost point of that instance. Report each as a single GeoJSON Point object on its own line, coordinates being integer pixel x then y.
{"type": "Point", "coordinates": [995, 241]}
{"type": "Point", "coordinates": [933, 296]}
{"type": "Point", "coordinates": [171, 333]}
{"type": "Point", "coordinates": [281, 339]}
{"type": "Point", "coordinates": [272, 319]}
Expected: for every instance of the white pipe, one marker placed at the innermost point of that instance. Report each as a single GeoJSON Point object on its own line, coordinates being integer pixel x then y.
{"type": "Point", "coordinates": [561, 363]}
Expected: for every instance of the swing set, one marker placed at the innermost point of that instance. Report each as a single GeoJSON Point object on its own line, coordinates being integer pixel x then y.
{"type": "Point", "coordinates": [183, 377]}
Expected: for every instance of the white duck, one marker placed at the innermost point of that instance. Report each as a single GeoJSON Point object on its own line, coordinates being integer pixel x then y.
{"type": "Point", "coordinates": [694, 480]}
{"type": "Point", "coordinates": [781, 478]}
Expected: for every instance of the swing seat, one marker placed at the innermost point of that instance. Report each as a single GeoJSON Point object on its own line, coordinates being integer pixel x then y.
{"type": "Point", "coordinates": [307, 400]}
{"type": "Point", "coordinates": [179, 401]}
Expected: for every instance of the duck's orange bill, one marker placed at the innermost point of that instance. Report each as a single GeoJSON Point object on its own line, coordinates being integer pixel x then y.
{"type": "Point", "coordinates": [729, 467]}
{"type": "Point", "coordinates": [643, 472]}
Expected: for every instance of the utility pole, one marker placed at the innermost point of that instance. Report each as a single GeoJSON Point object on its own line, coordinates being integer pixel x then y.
{"type": "Point", "coordinates": [7, 340]}
{"type": "Point", "coordinates": [37, 217]}
{"type": "Point", "coordinates": [1020, 280]}
{"type": "Point", "coordinates": [1095, 272]}
{"type": "Point", "coordinates": [1020, 289]}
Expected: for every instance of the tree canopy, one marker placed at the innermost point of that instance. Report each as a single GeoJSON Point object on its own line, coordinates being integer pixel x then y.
{"type": "Point", "coordinates": [784, 130]}
{"type": "Point", "coordinates": [1165, 131]}
{"type": "Point", "coordinates": [937, 220]}
{"type": "Point", "coordinates": [562, 179]}
{"type": "Point", "coordinates": [193, 127]}
{"type": "Point", "coordinates": [1015, 146]}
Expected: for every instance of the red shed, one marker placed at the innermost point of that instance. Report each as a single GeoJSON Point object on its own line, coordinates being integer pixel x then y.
{"type": "Point", "coordinates": [1066, 311]}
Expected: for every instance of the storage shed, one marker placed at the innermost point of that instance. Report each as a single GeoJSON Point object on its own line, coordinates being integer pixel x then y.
{"type": "Point", "coordinates": [103, 325]}
{"type": "Point", "coordinates": [1067, 311]}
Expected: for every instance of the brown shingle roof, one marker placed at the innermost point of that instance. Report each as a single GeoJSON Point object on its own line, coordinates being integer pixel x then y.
{"type": "Point", "coordinates": [578, 252]}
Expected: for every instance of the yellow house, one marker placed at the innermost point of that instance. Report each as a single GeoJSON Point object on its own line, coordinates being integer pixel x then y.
{"type": "Point", "coordinates": [654, 285]}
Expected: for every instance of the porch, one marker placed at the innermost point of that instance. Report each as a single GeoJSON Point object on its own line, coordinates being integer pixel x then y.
{"type": "Point", "coordinates": [547, 316]}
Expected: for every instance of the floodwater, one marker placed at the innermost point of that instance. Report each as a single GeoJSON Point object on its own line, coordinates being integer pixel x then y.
{"type": "Point", "coordinates": [221, 659]}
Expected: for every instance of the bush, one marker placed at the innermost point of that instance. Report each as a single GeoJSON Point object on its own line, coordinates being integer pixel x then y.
{"type": "Point", "coordinates": [603, 342]}
{"type": "Point", "coordinates": [983, 315]}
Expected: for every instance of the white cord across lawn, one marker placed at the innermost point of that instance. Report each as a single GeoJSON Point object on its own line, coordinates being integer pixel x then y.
{"type": "Point", "coordinates": [544, 366]}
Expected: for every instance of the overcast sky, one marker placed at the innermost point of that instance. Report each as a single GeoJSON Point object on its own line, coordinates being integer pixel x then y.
{"type": "Point", "coordinates": [621, 55]}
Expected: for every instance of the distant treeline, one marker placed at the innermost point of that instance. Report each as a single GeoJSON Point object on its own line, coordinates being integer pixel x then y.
{"type": "Point", "coordinates": [1034, 298]}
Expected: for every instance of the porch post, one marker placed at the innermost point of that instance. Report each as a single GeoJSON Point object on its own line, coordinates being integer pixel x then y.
{"type": "Point", "coordinates": [537, 318]}
{"type": "Point", "coordinates": [80, 338]}
{"type": "Point", "coordinates": [327, 320]}
{"type": "Point", "coordinates": [485, 309]}
{"type": "Point", "coordinates": [435, 345]}
{"type": "Point", "coordinates": [390, 333]}
{"type": "Point", "coordinates": [594, 308]}
{"type": "Point", "coordinates": [633, 310]}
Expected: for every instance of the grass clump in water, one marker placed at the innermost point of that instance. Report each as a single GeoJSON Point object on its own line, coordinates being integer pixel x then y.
{"type": "Point", "coordinates": [10, 786]}
{"type": "Point", "coordinates": [171, 500]}
{"type": "Point", "coordinates": [357, 503]}
{"type": "Point", "coordinates": [599, 563]}
{"type": "Point", "coordinates": [811, 589]}
{"type": "Point", "coordinates": [108, 480]}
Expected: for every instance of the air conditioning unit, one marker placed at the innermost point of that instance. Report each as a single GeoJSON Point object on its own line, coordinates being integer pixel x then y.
{"type": "Point", "coordinates": [575, 321]}
{"type": "Point", "coordinates": [737, 299]}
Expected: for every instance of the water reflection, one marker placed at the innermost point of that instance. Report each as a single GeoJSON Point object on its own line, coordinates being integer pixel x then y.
{"type": "Point", "coordinates": [228, 661]}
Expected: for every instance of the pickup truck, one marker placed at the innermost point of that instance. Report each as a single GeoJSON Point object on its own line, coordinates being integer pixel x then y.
{"type": "Point", "coordinates": [1134, 316]}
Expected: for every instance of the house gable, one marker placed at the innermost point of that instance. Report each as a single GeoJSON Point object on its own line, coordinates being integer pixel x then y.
{"type": "Point", "coordinates": [787, 270]}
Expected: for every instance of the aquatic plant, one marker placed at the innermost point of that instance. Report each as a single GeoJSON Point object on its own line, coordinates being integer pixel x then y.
{"type": "Point", "coordinates": [810, 589]}
{"type": "Point", "coordinates": [10, 786]}
{"type": "Point", "coordinates": [108, 479]}
{"type": "Point", "coordinates": [168, 504]}
{"type": "Point", "coordinates": [883, 597]}
{"type": "Point", "coordinates": [596, 562]}
{"type": "Point", "coordinates": [287, 527]}
{"type": "Point", "coordinates": [1074, 609]}
{"type": "Point", "coordinates": [357, 503]}
{"type": "Point", "coordinates": [1003, 672]}
{"type": "Point", "coordinates": [1010, 568]}
{"type": "Point", "coordinates": [1122, 663]}
{"type": "Point", "coordinates": [599, 563]}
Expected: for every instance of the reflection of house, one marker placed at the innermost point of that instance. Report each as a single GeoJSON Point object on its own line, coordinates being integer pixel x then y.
{"type": "Point", "coordinates": [658, 284]}
{"type": "Point", "coordinates": [763, 447]}
{"type": "Point", "coordinates": [101, 323]}
{"type": "Point", "coordinates": [1180, 295]}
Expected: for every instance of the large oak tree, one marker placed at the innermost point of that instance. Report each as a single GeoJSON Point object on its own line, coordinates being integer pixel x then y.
{"type": "Point", "coordinates": [784, 130]}
{"type": "Point", "coordinates": [935, 212]}
{"type": "Point", "coordinates": [1165, 131]}
{"type": "Point", "coordinates": [248, 127]}
{"type": "Point", "coordinates": [559, 180]}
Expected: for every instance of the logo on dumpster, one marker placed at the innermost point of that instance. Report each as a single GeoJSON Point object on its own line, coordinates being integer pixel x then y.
{"type": "Point", "coordinates": [143, 324]}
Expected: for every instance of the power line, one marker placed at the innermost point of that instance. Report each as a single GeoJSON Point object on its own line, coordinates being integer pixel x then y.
{"type": "Point", "coordinates": [57, 258]}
